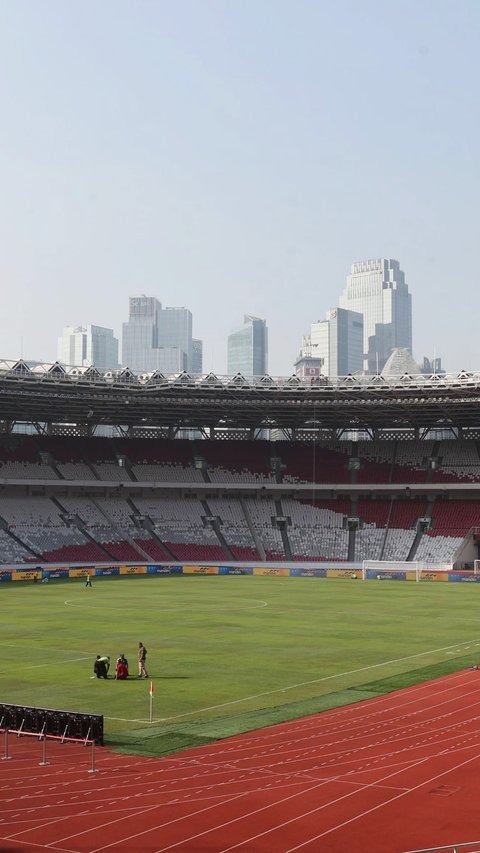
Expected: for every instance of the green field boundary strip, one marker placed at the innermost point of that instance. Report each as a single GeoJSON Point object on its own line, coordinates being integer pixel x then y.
{"type": "Point", "coordinates": [163, 739]}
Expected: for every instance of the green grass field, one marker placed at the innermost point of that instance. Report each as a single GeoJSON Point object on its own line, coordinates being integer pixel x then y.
{"type": "Point", "coordinates": [227, 654]}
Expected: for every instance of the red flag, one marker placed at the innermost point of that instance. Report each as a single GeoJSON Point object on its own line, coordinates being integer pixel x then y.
{"type": "Point", "coordinates": [151, 689]}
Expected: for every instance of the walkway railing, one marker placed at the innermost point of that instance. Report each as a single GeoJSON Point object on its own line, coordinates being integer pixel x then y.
{"type": "Point", "coordinates": [43, 739]}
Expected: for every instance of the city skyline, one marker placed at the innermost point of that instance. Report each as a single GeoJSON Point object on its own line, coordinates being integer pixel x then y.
{"type": "Point", "coordinates": [160, 338]}
{"type": "Point", "coordinates": [236, 158]}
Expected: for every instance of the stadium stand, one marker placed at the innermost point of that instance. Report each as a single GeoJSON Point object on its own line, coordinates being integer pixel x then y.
{"type": "Point", "coordinates": [68, 503]}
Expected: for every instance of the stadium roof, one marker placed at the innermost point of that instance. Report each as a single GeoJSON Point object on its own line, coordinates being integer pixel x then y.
{"type": "Point", "coordinates": [53, 394]}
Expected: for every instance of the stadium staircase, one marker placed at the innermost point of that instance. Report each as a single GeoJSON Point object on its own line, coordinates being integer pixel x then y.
{"type": "Point", "coordinates": [198, 455]}
{"type": "Point", "coordinates": [251, 527]}
{"type": "Point", "coordinates": [215, 526]}
{"type": "Point", "coordinates": [126, 464]}
{"type": "Point", "coordinates": [283, 531]}
{"type": "Point", "coordinates": [434, 455]}
{"type": "Point", "coordinates": [81, 526]}
{"type": "Point", "coordinates": [387, 527]}
{"type": "Point", "coordinates": [420, 533]}
{"type": "Point", "coordinates": [125, 538]}
{"type": "Point", "coordinates": [150, 527]}
{"type": "Point", "coordinates": [92, 468]}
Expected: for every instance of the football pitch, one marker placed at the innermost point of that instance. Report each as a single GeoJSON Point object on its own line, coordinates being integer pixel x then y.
{"type": "Point", "coordinates": [227, 654]}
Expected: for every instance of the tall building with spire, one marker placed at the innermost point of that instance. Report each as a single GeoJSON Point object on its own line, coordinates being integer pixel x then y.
{"type": "Point", "coordinates": [377, 290]}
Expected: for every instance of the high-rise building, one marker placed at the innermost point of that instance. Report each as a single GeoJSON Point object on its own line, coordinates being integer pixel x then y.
{"type": "Point", "coordinates": [85, 346]}
{"type": "Point", "coordinates": [174, 330]}
{"type": "Point", "coordinates": [248, 348]}
{"type": "Point", "coordinates": [156, 338]}
{"type": "Point", "coordinates": [139, 336]}
{"type": "Point", "coordinates": [334, 346]}
{"type": "Point", "coordinates": [377, 289]}
{"type": "Point", "coordinates": [197, 356]}
{"type": "Point", "coordinates": [171, 360]}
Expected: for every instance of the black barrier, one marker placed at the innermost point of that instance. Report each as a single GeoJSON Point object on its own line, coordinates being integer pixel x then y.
{"type": "Point", "coordinates": [62, 724]}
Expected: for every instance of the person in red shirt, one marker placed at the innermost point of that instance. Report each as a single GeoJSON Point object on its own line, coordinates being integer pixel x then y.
{"type": "Point", "coordinates": [121, 668]}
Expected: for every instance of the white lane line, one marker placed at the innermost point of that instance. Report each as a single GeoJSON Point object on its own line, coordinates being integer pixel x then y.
{"type": "Point", "coordinates": [380, 806]}
{"type": "Point", "coordinates": [330, 803]}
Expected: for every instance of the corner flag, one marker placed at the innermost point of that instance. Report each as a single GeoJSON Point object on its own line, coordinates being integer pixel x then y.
{"type": "Point", "coordinates": [151, 689]}
{"type": "Point", "coordinates": [151, 701]}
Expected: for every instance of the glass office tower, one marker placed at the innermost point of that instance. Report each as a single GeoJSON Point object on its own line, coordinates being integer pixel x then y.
{"type": "Point", "coordinates": [334, 346]}
{"type": "Point", "coordinates": [139, 339]}
{"type": "Point", "coordinates": [175, 330]}
{"type": "Point", "coordinates": [377, 289]}
{"type": "Point", "coordinates": [157, 338]}
{"type": "Point", "coordinates": [197, 356]}
{"type": "Point", "coordinates": [84, 346]}
{"type": "Point", "coordinates": [248, 348]}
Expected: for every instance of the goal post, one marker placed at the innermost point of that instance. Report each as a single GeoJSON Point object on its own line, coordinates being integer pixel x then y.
{"type": "Point", "coordinates": [391, 569]}
{"type": "Point", "coordinates": [476, 567]}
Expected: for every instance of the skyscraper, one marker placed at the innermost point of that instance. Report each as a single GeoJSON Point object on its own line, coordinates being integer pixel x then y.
{"type": "Point", "coordinates": [139, 337]}
{"type": "Point", "coordinates": [156, 338]}
{"type": "Point", "coordinates": [85, 346]}
{"type": "Point", "coordinates": [377, 289]}
{"type": "Point", "coordinates": [197, 356]}
{"type": "Point", "coordinates": [334, 346]}
{"type": "Point", "coordinates": [248, 348]}
{"type": "Point", "coordinates": [175, 330]}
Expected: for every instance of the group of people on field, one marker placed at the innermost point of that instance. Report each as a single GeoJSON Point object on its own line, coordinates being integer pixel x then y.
{"type": "Point", "coordinates": [102, 665]}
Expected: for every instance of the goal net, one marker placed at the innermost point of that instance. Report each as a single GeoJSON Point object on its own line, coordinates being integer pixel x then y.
{"type": "Point", "coordinates": [391, 569]}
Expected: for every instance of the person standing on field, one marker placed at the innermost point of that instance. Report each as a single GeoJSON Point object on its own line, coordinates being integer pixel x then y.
{"type": "Point", "coordinates": [142, 656]}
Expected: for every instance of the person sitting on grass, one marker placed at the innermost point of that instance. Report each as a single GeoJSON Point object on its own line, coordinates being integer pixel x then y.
{"type": "Point", "coordinates": [121, 668]}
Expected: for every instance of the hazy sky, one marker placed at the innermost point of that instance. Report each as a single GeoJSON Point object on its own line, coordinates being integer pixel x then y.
{"type": "Point", "coordinates": [236, 156]}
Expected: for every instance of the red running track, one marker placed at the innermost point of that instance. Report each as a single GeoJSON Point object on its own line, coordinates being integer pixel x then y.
{"type": "Point", "coordinates": [395, 773]}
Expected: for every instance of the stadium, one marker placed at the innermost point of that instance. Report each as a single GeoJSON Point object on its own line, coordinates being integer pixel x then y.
{"type": "Point", "coordinates": [267, 496]}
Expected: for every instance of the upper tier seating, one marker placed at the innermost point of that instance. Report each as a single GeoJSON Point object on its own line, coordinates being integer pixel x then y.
{"type": "Point", "coordinates": [307, 464]}
{"type": "Point", "coordinates": [242, 462]}
{"type": "Point", "coordinates": [376, 460]}
{"type": "Point", "coordinates": [458, 461]}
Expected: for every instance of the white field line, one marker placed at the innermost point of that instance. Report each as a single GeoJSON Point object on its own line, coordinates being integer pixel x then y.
{"type": "Point", "coordinates": [206, 608]}
{"type": "Point", "coordinates": [296, 686]}
{"type": "Point", "coordinates": [50, 663]}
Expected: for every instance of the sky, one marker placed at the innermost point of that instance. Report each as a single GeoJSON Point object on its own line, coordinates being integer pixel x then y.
{"type": "Point", "coordinates": [236, 157]}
